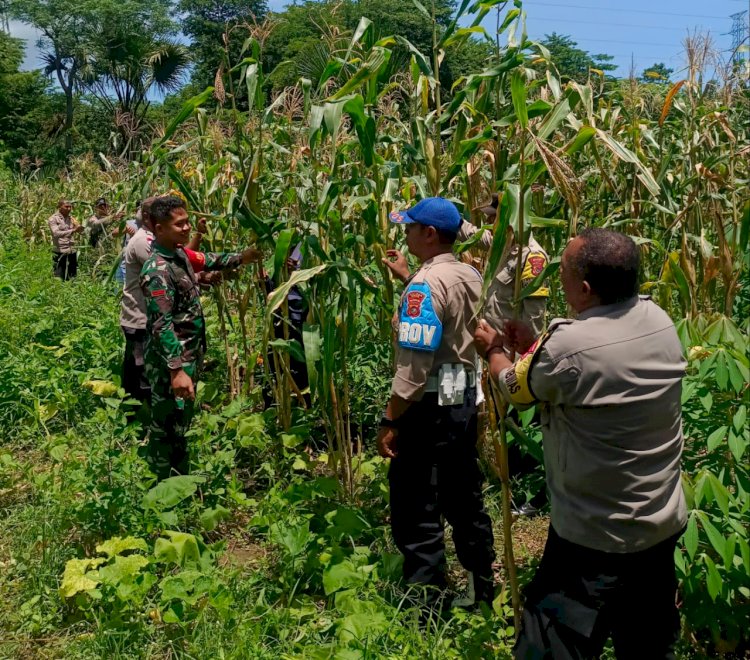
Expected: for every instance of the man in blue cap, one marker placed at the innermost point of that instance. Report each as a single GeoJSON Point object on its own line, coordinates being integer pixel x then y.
{"type": "Point", "coordinates": [429, 428]}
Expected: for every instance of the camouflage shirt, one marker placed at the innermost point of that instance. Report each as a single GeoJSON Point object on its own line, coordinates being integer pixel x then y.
{"type": "Point", "coordinates": [176, 330]}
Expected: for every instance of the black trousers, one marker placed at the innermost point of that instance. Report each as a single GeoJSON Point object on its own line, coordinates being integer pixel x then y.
{"type": "Point", "coordinates": [134, 380]}
{"type": "Point", "coordinates": [65, 265]}
{"type": "Point", "coordinates": [436, 474]}
{"type": "Point", "coordinates": [580, 597]}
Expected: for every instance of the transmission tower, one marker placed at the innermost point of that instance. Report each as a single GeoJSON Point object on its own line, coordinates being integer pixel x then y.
{"type": "Point", "coordinates": [740, 39]}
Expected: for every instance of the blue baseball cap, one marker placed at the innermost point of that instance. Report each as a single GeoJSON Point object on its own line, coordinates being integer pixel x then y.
{"type": "Point", "coordinates": [435, 212]}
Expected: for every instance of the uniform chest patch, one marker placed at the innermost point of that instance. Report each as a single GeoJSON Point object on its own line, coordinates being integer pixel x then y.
{"type": "Point", "coordinates": [419, 327]}
{"type": "Point", "coordinates": [414, 304]}
{"type": "Point", "coordinates": [537, 263]}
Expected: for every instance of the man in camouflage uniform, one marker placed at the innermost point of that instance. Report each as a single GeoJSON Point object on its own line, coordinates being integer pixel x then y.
{"type": "Point", "coordinates": [176, 332]}
{"type": "Point", "coordinates": [63, 228]}
{"type": "Point", "coordinates": [133, 302]}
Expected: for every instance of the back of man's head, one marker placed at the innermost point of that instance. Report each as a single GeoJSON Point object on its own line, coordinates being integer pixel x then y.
{"type": "Point", "coordinates": [161, 208]}
{"type": "Point", "coordinates": [609, 261]}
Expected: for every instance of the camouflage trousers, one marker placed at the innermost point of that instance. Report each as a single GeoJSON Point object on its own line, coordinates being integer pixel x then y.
{"type": "Point", "coordinates": [167, 451]}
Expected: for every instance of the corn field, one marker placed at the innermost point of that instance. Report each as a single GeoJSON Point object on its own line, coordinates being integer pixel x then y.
{"type": "Point", "coordinates": [322, 167]}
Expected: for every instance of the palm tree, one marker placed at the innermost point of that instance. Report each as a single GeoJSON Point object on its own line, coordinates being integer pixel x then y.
{"type": "Point", "coordinates": [122, 72]}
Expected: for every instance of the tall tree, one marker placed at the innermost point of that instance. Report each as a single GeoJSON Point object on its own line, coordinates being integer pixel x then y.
{"type": "Point", "coordinates": [658, 73]}
{"type": "Point", "coordinates": [23, 104]}
{"type": "Point", "coordinates": [130, 56]}
{"type": "Point", "coordinates": [207, 21]}
{"type": "Point", "coordinates": [64, 25]}
{"type": "Point", "coordinates": [573, 62]}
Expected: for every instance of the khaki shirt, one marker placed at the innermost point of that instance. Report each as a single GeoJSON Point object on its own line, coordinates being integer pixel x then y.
{"type": "Point", "coordinates": [63, 233]}
{"type": "Point", "coordinates": [610, 385]}
{"type": "Point", "coordinates": [133, 304]}
{"type": "Point", "coordinates": [499, 305]}
{"type": "Point", "coordinates": [441, 296]}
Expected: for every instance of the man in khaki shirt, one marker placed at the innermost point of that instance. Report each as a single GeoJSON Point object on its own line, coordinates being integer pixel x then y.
{"type": "Point", "coordinates": [609, 389]}
{"type": "Point", "coordinates": [64, 228]}
{"type": "Point", "coordinates": [429, 429]}
{"type": "Point", "coordinates": [500, 295]}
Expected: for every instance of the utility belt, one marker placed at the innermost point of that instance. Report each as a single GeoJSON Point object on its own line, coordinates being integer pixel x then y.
{"type": "Point", "coordinates": [450, 383]}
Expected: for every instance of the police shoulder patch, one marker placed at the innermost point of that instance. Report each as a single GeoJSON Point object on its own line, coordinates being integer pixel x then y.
{"type": "Point", "coordinates": [517, 377]}
{"type": "Point", "coordinates": [419, 327]}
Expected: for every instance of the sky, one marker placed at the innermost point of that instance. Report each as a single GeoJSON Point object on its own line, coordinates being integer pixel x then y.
{"type": "Point", "coordinates": [637, 33]}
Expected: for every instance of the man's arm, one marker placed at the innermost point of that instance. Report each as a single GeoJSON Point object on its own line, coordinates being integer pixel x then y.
{"type": "Point", "coordinates": [194, 243]}
{"type": "Point", "coordinates": [467, 230]}
{"type": "Point", "coordinates": [57, 229]}
{"type": "Point", "coordinates": [229, 260]}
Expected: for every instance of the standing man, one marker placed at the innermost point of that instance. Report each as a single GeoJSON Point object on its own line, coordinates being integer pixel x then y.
{"type": "Point", "coordinates": [498, 310]}
{"type": "Point", "coordinates": [101, 219]}
{"type": "Point", "coordinates": [133, 304]}
{"type": "Point", "coordinates": [499, 305]}
{"type": "Point", "coordinates": [609, 385]}
{"type": "Point", "coordinates": [429, 428]}
{"type": "Point", "coordinates": [64, 227]}
{"type": "Point", "coordinates": [176, 331]}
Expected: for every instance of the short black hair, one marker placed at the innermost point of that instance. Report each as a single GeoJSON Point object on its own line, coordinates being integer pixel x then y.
{"type": "Point", "coordinates": [446, 237]}
{"type": "Point", "coordinates": [609, 261]}
{"type": "Point", "coordinates": [160, 210]}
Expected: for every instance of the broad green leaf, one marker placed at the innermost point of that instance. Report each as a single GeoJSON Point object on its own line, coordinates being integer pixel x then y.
{"type": "Point", "coordinates": [180, 548]}
{"type": "Point", "coordinates": [518, 94]}
{"type": "Point", "coordinates": [629, 157]}
{"type": "Point", "coordinates": [123, 569]}
{"type": "Point", "coordinates": [357, 627]}
{"type": "Point", "coordinates": [729, 546]}
{"type": "Point", "coordinates": [170, 492]}
{"type": "Point", "coordinates": [312, 343]}
{"type": "Point", "coordinates": [737, 445]}
{"type": "Point", "coordinates": [714, 536]}
{"type": "Point", "coordinates": [713, 579]}
{"type": "Point", "coordinates": [720, 493]}
{"type": "Point", "coordinates": [281, 254]}
{"type": "Point", "coordinates": [691, 537]}
{"type": "Point", "coordinates": [716, 438]}
{"type": "Point", "coordinates": [343, 575]}
{"type": "Point", "coordinates": [101, 387]}
{"type": "Point", "coordinates": [278, 295]}
{"type": "Point", "coordinates": [293, 538]}
{"type": "Point", "coordinates": [118, 545]}
{"type": "Point", "coordinates": [187, 109]}
{"type": "Point", "coordinates": [78, 577]}
{"type": "Point", "coordinates": [211, 518]}
{"type": "Point", "coordinates": [362, 27]}
{"type": "Point", "coordinates": [739, 419]}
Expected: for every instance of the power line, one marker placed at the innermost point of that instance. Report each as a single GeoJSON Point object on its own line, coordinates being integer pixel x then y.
{"type": "Point", "coordinates": [630, 25]}
{"type": "Point", "coordinates": [627, 11]}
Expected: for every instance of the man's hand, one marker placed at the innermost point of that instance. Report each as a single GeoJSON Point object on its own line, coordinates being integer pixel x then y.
{"type": "Point", "coordinates": [182, 385]}
{"type": "Point", "coordinates": [486, 338]}
{"type": "Point", "coordinates": [78, 228]}
{"type": "Point", "coordinates": [250, 255]}
{"type": "Point", "coordinates": [210, 278]}
{"type": "Point", "coordinates": [201, 226]}
{"type": "Point", "coordinates": [129, 230]}
{"type": "Point", "coordinates": [398, 265]}
{"type": "Point", "coordinates": [387, 438]}
{"type": "Point", "coordinates": [519, 336]}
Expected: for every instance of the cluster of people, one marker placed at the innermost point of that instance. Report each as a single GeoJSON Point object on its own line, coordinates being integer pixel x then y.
{"type": "Point", "coordinates": [607, 385]}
